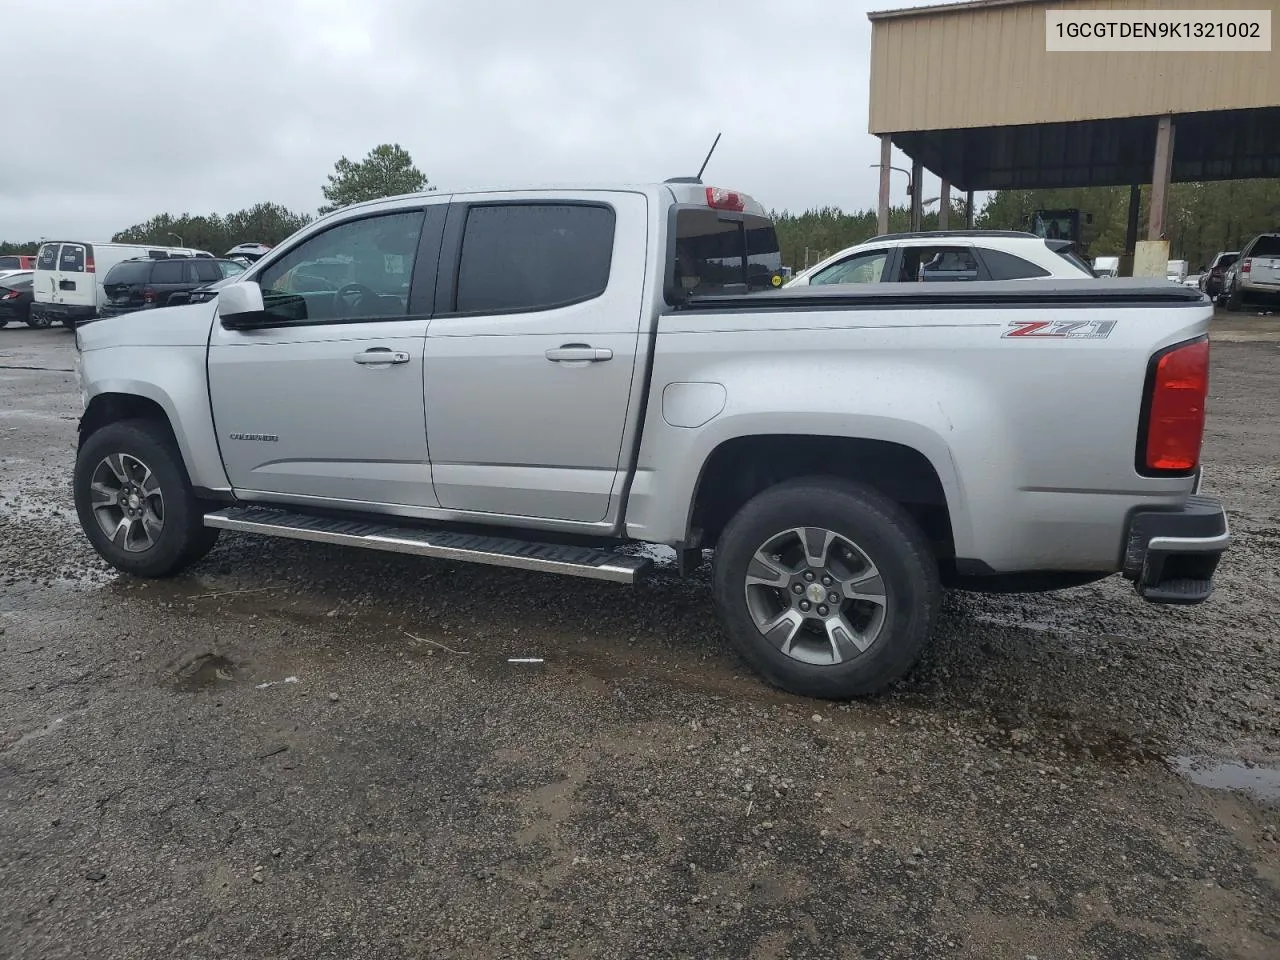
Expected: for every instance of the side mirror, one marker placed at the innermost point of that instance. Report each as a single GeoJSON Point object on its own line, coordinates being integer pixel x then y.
{"type": "Point", "coordinates": [240, 305]}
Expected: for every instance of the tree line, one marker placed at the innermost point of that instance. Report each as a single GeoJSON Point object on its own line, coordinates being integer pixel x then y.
{"type": "Point", "coordinates": [1203, 218]}
{"type": "Point", "coordinates": [385, 171]}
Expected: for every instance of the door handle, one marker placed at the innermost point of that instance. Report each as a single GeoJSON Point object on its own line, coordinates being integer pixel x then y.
{"type": "Point", "coordinates": [380, 356]}
{"type": "Point", "coordinates": [578, 353]}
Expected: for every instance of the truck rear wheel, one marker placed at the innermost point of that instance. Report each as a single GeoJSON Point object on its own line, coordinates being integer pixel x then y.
{"type": "Point", "coordinates": [826, 587]}
{"type": "Point", "coordinates": [135, 502]}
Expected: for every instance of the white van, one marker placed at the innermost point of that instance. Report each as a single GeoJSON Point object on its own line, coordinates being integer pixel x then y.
{"type": "Point", "coordinates": [67, 285]}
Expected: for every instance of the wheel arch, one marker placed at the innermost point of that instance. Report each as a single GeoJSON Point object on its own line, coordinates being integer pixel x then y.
{"type": "Point", "coordinates": [740, 467]}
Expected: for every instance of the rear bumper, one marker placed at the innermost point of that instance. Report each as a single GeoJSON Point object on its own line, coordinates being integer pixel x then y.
{"type": "Point", "coordinates": [115, 311]}
{"type": "Point", "coordinates": [63, 312]}
{"type": "Point", "coordinates": [1171, 555]}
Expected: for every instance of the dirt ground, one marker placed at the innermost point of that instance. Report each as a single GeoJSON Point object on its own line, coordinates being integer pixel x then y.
{"type": "Point", "coordinates": [302, 751]}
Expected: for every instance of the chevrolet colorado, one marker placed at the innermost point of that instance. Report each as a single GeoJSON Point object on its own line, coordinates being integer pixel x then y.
{"type": "Point", "coordinates": [537, 378]}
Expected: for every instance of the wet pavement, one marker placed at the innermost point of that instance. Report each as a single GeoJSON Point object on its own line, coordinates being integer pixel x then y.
{"type": "Point", "coordinates": [304, 751]}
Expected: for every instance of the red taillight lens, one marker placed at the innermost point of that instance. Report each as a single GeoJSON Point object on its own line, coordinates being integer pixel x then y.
{"type": "Point", "coordinates": [722, 199]}
{"type": "Point", "coordinates": [1245, 265]}
{"type": "Point", "coordinates": [10, 295]}
{"type": "Point", "coordinates": [89, 266]}
{"type": "Point", "coordinates": [1179, 385]}
{"type": "Point", "coordinates": [148, 295]}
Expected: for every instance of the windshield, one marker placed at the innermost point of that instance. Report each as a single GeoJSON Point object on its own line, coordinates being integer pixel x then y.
{"type": "Point", "coordinates": [716, 254]}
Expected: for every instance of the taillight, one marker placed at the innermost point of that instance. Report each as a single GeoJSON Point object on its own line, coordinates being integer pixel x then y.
{"type": "Point", "coordinates": [89, 266]}
{"type": "Point", "coordinates": [722, 199]}
{"type": "Point", "coordinates": [1177, 387]}
{"type": "Point", "coordinates": [1245, 265]}
{"type": "Point", "coordinates": [148, 295]}
{"type": "Point", "coordinates": [10, 295]}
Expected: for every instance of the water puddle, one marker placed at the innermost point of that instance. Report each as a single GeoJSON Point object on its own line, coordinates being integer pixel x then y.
{"type": "Point", "coordinates": [1262, 782]}
{"type": "Point", "coordinates": [37, 734]}
{"type": "Point", "coordinates": [205, 672]}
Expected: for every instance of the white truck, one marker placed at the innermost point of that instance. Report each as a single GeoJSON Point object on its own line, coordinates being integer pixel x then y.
{"type": "Point", "coordinates": [538, 378]}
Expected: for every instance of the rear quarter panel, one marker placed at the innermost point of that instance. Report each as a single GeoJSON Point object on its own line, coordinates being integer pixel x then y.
{"type": "Point", "coordinates": [1033, 439]}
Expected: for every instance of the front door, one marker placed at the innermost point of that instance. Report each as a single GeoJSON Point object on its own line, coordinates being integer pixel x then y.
{"type": "Point", "coordinates": [326, 405]}
{"type": "Point", "coordinates": [531, 356]}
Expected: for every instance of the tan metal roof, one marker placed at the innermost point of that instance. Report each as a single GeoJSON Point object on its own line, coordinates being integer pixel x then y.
{"type": "Point", "coordinates": [984, 64]}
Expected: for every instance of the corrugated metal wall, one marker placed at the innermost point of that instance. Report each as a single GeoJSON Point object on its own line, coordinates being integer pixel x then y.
{"type": "Point", "coordinates": [988, 67]}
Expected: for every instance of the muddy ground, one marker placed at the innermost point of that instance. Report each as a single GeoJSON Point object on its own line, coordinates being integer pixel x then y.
{"type": "Point", "coordinates": [303, 751]}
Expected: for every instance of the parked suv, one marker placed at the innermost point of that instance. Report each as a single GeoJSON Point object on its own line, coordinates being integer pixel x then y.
{"type": "Point", "coordinates": [1256, 275]}
{"type": "Point", "coordinates": [143, 283]}
{"type": "Point", "coordinates": [1211, 279]}
{"type": "Point", "coordinates": [949, 256]}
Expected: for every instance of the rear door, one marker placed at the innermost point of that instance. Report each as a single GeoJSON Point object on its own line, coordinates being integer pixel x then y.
{"type": "Point", "coordinates": [531, 354]}
{"type": "Point", "coordinates": [75, 283]}
{"type": "Point", "coordinates": [45, 282]}
{"type": "Point", "coordinates": [125, 282]}
{"type": "Point", "coordinates": [170, 276]}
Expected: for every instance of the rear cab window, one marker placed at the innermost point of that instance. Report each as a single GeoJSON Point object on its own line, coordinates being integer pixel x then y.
{"type": "Point", "coordinates": [723, 253]}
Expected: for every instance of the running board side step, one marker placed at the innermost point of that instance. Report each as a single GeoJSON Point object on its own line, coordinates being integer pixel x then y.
{"type": "Point", "coordinates": [591, 562]}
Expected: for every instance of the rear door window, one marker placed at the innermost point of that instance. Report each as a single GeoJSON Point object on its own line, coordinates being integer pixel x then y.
{"type": "Point", "coordinates": [71, 259]}
{"type": "Point", "coordinates": [534, 256]}
{"type": "Point", "coordinates": [1005, 266]}
{"type": "Point", "coordinates": [168, 271]}
{"type": "Point", "coordinates": [207, 271]}
{"type": "Point", "coordinates": [47, 258]}
{"type": "Point", "coordinates": [934, 264]}
{"type": "Point", "coordinates": [10, 263]}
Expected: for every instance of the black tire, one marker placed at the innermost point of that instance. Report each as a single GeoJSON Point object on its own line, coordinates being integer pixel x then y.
{"type": "Point", "coordinates": [37, 321]}
{"type": "Point", "coordinates": [182, 539]}
{"type": "Point", "coordinates": [888, 537]}
{"type": "Point", "coordinates": [1234, 300]}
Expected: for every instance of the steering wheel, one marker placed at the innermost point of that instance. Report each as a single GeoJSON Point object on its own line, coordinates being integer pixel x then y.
{"type": "Point", "coordinates": [350, 296]}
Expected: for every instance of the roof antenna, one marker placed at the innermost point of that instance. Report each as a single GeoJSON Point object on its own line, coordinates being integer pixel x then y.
{"type": "Point", "coordinates": [708, 160]}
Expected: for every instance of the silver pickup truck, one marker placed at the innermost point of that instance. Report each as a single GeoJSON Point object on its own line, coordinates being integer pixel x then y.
{"type": "Point", "coordinates": [539, 378]}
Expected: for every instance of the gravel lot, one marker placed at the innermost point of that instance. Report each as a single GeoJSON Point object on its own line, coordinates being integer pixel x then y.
{"type": "Point", "coordinates": [1049, 783]}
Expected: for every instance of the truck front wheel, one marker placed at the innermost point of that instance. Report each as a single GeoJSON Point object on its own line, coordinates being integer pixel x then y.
{"type": "Point", "coordinates": [826, 587]}
{"type": "Point", "coordinates": [135, 502]}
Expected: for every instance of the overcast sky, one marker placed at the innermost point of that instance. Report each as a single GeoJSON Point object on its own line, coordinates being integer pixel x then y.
{"type": "Point", "coordinates": [130, 108]}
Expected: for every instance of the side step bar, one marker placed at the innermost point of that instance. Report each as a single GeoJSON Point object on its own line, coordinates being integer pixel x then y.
{"type": "Point", "coordinates": [591, 562]}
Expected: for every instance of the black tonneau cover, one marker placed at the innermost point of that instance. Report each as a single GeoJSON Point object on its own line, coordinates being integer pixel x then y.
{"type": "Point", "coordinates": [957, 295]}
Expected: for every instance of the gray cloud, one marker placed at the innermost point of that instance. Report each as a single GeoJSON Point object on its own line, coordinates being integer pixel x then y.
{"type": "Point", "coordinates": [138, 107]}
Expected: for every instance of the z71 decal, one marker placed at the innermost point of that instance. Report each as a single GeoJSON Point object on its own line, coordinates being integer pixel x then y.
{"type": "Point", "coordinates": [1060, 329]}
